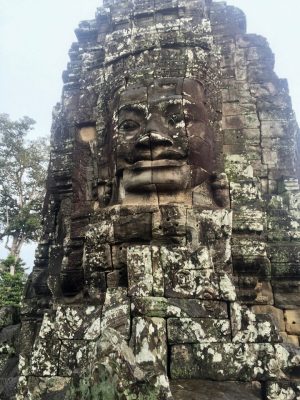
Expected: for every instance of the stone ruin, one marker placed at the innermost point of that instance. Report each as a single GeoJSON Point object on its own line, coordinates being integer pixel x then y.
{"type": "Point", "coordinates": [169, 263]}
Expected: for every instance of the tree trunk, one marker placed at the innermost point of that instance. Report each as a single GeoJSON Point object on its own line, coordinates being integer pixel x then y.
{"type": "Point", "coordinates": [15, 250]}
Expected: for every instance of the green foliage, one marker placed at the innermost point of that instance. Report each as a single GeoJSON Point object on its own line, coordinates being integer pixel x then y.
{"type": "Point", "coordinates": [100, 386]}
{"type": "Point", "coordinates": [11, 286]}
{"type": "Point", "coordinates": [23, 167]}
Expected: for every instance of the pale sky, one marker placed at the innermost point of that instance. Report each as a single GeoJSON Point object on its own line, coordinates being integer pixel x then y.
{"type": "Point", "coordinates": [35, 36]}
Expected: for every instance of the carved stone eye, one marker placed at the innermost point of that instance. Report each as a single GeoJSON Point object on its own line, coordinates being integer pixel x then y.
{"type": "Point", "coordinates": [129, 126]}
{"type": "Point", "coordinates": [175, 119]}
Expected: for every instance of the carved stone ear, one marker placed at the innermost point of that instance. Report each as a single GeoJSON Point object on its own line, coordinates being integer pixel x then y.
{"type": "Point", "coordinates": [105, 193]}
{"type": "Point", "coordinates": [220, 189]}
{"type": "Point", "coordinates": [38, 283]}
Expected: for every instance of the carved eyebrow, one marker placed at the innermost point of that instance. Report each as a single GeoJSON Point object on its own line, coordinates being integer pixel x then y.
{"type": "Point", "coordinates": [169, 107]}
{"type": "Point", "coordinates": [134, 107]}
{"type": "Point", "coordinates": [184, 105]}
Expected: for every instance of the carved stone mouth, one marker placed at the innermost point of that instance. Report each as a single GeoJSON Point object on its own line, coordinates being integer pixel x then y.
{"type": "Point", "coordinates": [159, 154]}
{"type": "Point", "coordinates": [162, 163]}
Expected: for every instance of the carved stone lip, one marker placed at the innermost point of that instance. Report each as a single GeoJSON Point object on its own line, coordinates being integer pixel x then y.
{"type": "Point", "coordinates": [159, 153]}
{"type": "Point", "coordinates": [162, 163]}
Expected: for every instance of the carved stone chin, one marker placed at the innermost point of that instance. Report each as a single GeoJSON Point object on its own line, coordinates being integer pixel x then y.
{"type": "Point", "coordinates": [160, 176]}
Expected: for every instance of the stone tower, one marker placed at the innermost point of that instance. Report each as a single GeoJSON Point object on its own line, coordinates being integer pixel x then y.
{"type": "Point", "coordinates": [169, 263]}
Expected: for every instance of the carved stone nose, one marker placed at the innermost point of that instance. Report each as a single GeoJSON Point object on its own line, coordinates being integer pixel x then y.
{"type": "Point", "coordinates": [151, 139]}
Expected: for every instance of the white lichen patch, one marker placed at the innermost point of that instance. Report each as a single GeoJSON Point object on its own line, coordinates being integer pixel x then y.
{"type": "Point", "coordinates": [279, 361]}
{"type": "Point", "coordinates": [264, 329]}
{"type": "Point", "coordinates": [252, 330]}
{"type": "Point", "coordinates": [100, 233]}
{"type": "Point", "coordinates": [248, 219]}
{"type": "Point", "coordinates": [23, 366]}
{"type": "Point", "coordinates": [246, 191]}
{"type": "Point", "coordinates": [68, 322]}
{"type": "Point", "coordinates": [116, 312]}
{"type": "Point", "coordinates": [21, 388]}
{"type": "Point", "coordinates": [275, 392]}
{"type": "Point", "coordinates": [93, 331]}
{"type": "Point", "coordinates": [150, 342]}
{"type": "Point", "coordinates": [162, 381]}
{"type": "Point", "coordinates": [217, 358]}
{"type": "Point", "coordinates": [145, 355]}
{"type": "Point", "coordinates": [6, 349]}
{"type": "Point", "coordinates": [252, 247]}
{"type": "Point", "coordinates": [157, 272]}
{"type": "Point", "coordinates": [227, 288]}
{"type": "Point", "coordinates": [89, 310]}
{"type": "Point", "coordinates": [174, 311]}
{"type": "Point", "coordinates": [238, 166]}
{"type": "Point", "coordinates": [43, 360]}
{"type": "Point", "coordinates": [47, 327]}
{"type": "Point", "coordinates": [181, 256]}
{"type": "Point", "coordinates": [198, 330]}
{"type": "Point", "coordinates": [252, 360]}
{"type": "Point", "coordinates": [206, 25]}
{"type": "Point", "coordinates": [140, 274]}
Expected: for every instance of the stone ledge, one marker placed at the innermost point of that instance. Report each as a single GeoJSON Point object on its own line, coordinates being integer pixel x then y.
{"type": "Point", "coordinates": [207, 390]}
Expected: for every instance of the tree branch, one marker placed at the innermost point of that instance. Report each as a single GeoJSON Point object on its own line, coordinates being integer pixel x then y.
{"type": "Point", "coordinates": [6, 244]}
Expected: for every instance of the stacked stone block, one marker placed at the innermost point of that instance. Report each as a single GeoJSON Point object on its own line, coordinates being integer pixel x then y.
{"type": "Point", "coordinates": [260, 135]}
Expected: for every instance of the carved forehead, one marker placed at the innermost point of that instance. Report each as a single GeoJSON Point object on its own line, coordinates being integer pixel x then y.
{"type": "Point", "coordinates": [161, 89]}
{"type": "Point", "coordinates": [164, 88]}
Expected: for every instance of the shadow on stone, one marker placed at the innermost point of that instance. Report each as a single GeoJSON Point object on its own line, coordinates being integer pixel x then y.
{"type": "Point", "coordinates": [207, 390]}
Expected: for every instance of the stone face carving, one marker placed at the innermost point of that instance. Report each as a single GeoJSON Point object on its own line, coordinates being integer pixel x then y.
{"type": "Point", "coordinates": [162, 136]}
{"type": "Point", "coordinates": [169, 254]}
{"type": "Point", "coordinates": [163, 144]}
